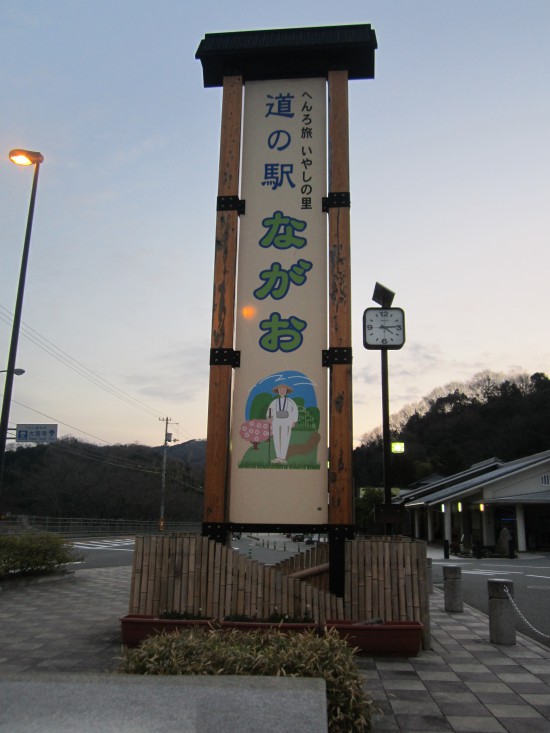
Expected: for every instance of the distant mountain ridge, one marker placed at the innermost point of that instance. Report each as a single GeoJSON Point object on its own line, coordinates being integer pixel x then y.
{"type": "Point", "coordinates": [192, 452]}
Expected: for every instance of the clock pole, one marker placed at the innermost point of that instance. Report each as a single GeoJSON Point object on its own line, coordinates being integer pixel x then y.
{"type": "Point", "coordinates": [384, 329]}
{"type": "Point", "coordinates": [386, 441]}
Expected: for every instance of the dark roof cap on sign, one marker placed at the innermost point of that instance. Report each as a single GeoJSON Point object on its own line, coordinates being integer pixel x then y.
{"type": "Point", "coordinates": [288, 53]}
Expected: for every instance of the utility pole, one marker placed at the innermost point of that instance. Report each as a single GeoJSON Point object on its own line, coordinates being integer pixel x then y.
{"type": "Point", "coordinates": [167, 439]}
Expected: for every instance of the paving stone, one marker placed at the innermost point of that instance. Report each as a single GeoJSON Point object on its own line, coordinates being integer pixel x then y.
{"type": "Point", "coordinates": [466, 698]}
{"type": "Point", "coordinates": [472, 724]}
{"type": "Point", "coordinates": [404, 707]}
{"type": "Point", "coordinates": [384, 723]}
{"type": "Point", "coordinates": [539, 668]}
{"type": "Point", "coordinates": [526, 725]}
{"type": "Point", "coordinates": [513, 711]}
{"type": "Point", "coordinates": [413, 684]}
{"type": "Point", "coordinates": [423, 724]}
{"type": "Point", "coordinates": [520, 676]}
{"type": "Point", "coordinates": [454, 709]}
{"type": "Point", "coordinates": [439, 676]}
{"type": "Point", "coordinates": [498, 698]}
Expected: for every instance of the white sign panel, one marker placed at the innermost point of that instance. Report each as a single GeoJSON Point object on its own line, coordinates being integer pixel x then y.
{"type": "Point", "coordinates": [36, 433]}
{"type": "Point", "coordinates": [279, 416]}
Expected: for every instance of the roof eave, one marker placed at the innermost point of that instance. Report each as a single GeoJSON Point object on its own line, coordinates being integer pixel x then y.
{"type": "Point", "coordinates": [288, 53]}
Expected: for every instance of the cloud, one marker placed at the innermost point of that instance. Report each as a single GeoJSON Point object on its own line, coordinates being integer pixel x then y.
{"type": "Point", "coordinates": [177, 375]}
{"type": "Point", "coordinates": [414, 372]}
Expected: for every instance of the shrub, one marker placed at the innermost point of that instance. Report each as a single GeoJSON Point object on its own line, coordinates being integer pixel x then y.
{"type": "Point", "coordinates": [30, 554]}
{"type": "Point", "coordinates": [268, 653]}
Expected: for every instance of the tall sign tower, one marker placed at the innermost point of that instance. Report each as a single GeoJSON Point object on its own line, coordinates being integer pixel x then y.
{"type": "Point", "coordinates": [279, 436]}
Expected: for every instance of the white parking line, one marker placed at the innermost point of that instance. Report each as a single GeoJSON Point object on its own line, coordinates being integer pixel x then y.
{"type": "Point", "coordinates": [492, 572]}
{"type": "Point", "coordinates": [120, 545]}
{"type": "Point", "coordinates": [526, 567]}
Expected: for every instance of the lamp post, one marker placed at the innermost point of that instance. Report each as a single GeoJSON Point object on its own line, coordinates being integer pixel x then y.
{"type": "Point", "coordinates": [19, 157]}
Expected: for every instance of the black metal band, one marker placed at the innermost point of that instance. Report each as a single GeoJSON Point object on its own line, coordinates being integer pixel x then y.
{"type": "Point", "coordinates": [335, 531]}
{"type": "Point", "coordinates": [225, 357]}
{"type": "Point", "coordinates": [337, 355]}
{"type": "Point", "coordinates": [335, 200]}
{"type": "Point", "coordinates": [217, 531]}
{"type": "Point", "coordinates": [231, 203]}
{"type": "Point", "coordinates": [337, 536]}
{"type": "Point", "coordinates": [341, 531]}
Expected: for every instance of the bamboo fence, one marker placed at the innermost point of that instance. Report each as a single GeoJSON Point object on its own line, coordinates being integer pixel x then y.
{"type": "Point", "coordinates": [385, 578]}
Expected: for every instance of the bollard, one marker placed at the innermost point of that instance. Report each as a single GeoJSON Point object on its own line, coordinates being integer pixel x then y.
{"type": "Point", "coordinates": [502, 620]}
{"type": "Point", "coordinates": [452, 588]}
{"type": "Point", "coordinates": [429, 577]}
{"type": "Point", "coordinates": [446, 549]}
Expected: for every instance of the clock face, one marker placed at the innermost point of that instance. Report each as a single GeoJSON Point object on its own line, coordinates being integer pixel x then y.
{"type": "Point", "coordinates": [383, 328]}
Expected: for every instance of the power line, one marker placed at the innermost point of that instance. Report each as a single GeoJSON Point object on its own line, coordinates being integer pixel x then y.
{"type": "Point", "coordinates": [61, 422]}
{"type": "Point", "coordinates": [71, 363]}
{"type": "Point", "coordinates": [125, 466]}
{"type": "Point", "coordinates": [62, 356]}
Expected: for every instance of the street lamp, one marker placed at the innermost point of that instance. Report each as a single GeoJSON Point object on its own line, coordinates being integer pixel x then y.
{"type": "Point", "coordinates": [19, 157]}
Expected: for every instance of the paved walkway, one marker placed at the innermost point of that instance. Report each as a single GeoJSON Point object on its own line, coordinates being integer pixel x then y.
{"type": "Point", "coordinates": [463, 684]}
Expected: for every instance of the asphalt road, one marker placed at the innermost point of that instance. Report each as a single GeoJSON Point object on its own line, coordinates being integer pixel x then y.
{"type": "Point", "coordinates": [117, 551]}
{"type": "Point", "coordinates": [529, 573]}
{"type": "Point", "coordinates": [108, 552]}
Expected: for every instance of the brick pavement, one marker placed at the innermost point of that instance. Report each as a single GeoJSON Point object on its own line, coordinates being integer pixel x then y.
{"type": "Point", "coordinates": [463, 684]}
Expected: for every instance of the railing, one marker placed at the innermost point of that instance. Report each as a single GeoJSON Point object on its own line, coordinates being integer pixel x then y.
{"type": "Point", "coordinates": [315, 558]}
{"type": "Point", "coordinates": [85, 527]}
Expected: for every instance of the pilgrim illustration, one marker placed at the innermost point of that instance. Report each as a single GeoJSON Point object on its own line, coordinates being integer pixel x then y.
{"type": "Point", "coordinates": [283, 430]}
{"type": "Point", "coordinates": [283, 413]}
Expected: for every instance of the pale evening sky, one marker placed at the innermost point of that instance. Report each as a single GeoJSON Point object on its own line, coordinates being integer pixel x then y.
{"type": "Point", "coordinates": [450, 192]}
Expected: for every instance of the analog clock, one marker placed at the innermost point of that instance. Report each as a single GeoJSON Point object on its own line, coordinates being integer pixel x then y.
{"type": "Point", "coordinates": [383, 328]}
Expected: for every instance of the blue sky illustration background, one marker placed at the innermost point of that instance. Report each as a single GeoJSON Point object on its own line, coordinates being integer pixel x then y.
{"type": "Point", "coordinates": [301, 385]}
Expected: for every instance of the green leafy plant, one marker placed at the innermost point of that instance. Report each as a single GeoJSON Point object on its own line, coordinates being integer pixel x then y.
{"type": "Point", "coordinates": [267, 653]}
{"type": "Point", "coordinates": [33, 554]}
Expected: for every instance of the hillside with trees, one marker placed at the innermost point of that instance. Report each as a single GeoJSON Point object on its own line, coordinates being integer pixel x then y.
{"type": "Point", "coordinates": [460, 424]}
{"type": "Point", "coordinates": [72, 478]}
{"type": "Point", "coordinates": [448, 430]}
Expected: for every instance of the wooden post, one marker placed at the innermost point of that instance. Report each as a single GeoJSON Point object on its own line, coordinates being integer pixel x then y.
{"type": "Point", "coordinates": [340, 482]}
{"type": "Point", "coordinates": [340, 430]}
{"type": "Point", "coordinates": [219, 396]}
